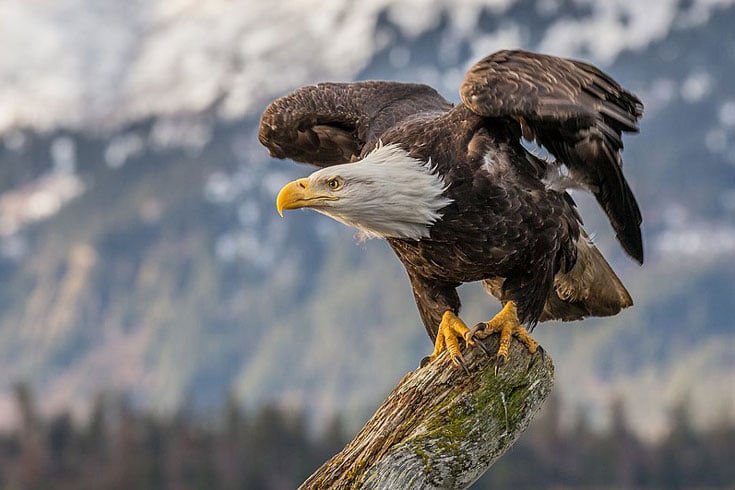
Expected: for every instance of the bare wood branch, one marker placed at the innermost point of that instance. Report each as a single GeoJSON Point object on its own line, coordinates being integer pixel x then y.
{"type": "Point", "coordinates": [442, 428]}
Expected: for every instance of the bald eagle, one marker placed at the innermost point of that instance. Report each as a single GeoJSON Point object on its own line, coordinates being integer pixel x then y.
{"type": "Point", "coordinates": [460, 198]}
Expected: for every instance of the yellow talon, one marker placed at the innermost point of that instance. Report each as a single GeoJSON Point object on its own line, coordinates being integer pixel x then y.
{"type": "Point", "coordinates": [507, 325]}
{"type": "Point", "coordinates": [450, 329]}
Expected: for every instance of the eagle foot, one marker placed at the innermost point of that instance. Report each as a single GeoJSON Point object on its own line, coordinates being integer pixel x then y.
{"type": "Point", "coordinates": [507, 325]}
{"type": "Point", "coordinates": [451, 329]}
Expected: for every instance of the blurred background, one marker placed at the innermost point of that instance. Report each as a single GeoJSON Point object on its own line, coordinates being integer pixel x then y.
{"type": "Point", "coordinates": [162, 327]}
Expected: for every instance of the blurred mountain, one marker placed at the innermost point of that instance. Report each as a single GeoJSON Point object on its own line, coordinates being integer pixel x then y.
{"type": "Point", "coordinates": [140, 249]}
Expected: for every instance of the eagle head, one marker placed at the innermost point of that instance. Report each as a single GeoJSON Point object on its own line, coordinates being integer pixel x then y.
{"type": "Point", "coordinates": [387, 194]}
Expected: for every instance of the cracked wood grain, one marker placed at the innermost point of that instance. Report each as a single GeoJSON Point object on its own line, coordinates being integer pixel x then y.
{"type": "Point", "coordinates": [442, 428]}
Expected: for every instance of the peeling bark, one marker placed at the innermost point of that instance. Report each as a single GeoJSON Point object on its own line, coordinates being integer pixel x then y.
{"type": "Point", "coordinates": [442, 428]}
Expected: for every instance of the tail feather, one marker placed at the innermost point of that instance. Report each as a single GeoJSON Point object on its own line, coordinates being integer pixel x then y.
{"type": "Point", "coordinates": [590, 288]}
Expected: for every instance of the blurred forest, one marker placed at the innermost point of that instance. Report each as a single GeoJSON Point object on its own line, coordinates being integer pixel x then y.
{"type": "Point", "coordinates": [273, 448]}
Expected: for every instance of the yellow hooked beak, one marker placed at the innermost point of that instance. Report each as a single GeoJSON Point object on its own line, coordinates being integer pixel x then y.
{"type": "Point", "coordinates": [297, 194]}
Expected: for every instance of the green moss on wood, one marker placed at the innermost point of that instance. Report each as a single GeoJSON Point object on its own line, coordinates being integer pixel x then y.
{"type": "Point", "coordinates": [442, 428]}
{"type": "Point", "coordinates": [496, 405]}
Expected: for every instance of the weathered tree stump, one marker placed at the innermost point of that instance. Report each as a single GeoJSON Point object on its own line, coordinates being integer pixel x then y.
{"type": "Point", "coordinates": [443, 428]}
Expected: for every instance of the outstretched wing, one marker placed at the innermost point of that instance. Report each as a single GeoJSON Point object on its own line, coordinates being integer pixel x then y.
{"type": "Point", "coordinates": [330, 123]}
{"type": "Point", "coordinates": [576, 112]}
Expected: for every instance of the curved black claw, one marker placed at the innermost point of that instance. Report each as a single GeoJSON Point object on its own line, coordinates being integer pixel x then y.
{"type": "Point", "coordinates": [459, 361]}
{"type": "Point", "coordinates": [425, 362]}
{"type": "Point", "coordinates": [541, 351]}
{"type": "Point", "coordinates": [481, 345]}
{"type": "Point", "coordinates": [499, 362]}
{"type": "Point", "coordinates": [478, 326]}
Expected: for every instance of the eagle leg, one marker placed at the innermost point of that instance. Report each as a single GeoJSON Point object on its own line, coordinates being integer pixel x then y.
{"type": "Point", "coordinates": [451, 329]}
{"type": "Point", "coordinates": [507, 325]}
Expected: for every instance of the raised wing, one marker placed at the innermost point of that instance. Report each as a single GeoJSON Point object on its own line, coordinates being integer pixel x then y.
{"type": "Point", "coordinates": [576, 112]}
{"type": "Point", "coordinates": [330, 123]}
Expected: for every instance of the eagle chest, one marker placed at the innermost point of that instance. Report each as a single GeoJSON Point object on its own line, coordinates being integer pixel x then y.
{"type": "Point", "coordinates": [453, 259]}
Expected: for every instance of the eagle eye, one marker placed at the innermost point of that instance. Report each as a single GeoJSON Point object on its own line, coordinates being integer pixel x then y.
{"type": "Point", "coordinates": [334, 183]}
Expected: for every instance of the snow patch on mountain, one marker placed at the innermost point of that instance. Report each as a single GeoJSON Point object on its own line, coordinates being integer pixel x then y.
{"type": "Point", "coordinates": [99, 64]}
{"type": "Point", "coordinates": [44, 196]}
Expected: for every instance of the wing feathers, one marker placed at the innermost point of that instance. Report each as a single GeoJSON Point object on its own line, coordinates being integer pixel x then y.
{"type": "Point", "coordinates": [319, 124]}
{"type": "Point", "coordinates": [577, 112]}
{"type": "Point", "coordinates": [573, 109]}
{"type": "Point", "coordinates": [331, 123]}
